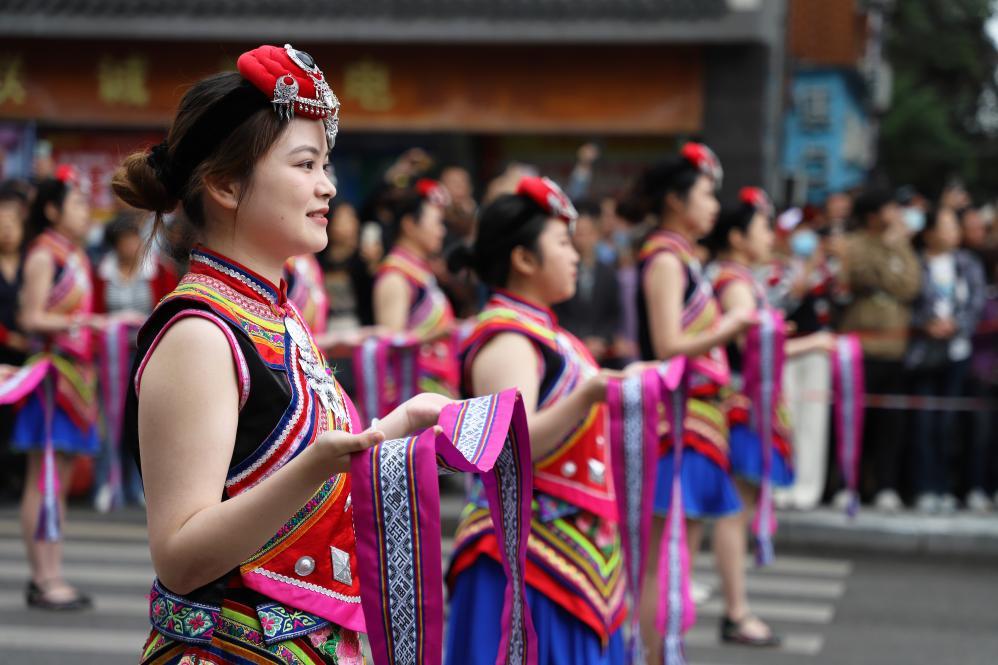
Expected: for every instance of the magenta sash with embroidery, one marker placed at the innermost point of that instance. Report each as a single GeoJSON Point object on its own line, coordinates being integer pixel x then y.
{"type": "Point", "coordinates": [634, 425]}
{"type": "Point", "coordinates": [114, 371]}
{"type": "Point", "coordinates": [386, 371]}
{"type": "Point", "coordinates": [764, 358]}
{"type": "Point", "coordinates": [676, 611]}
{"type": "Point", "coordinates": [396, 499]}
{"type": "Point", "coordinates": [848, 389]}
{"type": "Point", "coordinates": [37, 375]}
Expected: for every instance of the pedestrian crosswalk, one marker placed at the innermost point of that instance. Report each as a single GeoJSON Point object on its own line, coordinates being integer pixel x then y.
{"type": "Point", "coordinates": [110, 559]}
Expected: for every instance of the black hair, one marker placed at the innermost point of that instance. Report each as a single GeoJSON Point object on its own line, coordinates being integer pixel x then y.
{"type": "Point", "coordinates": [674, 175]}
{"type": "Point", "coordinates": [408, 203]}
{"type": "Point", "coordinates": [732, 218]}
{"type": "Point", "coordinates": [588, 208]}
{"type": "Point", "coordinates": [122, 225]}
{"type": "Point", "coordinates": [49, 191]}
{"type": "Point", "coordinates": [870, 202]}
{"type": "Point", "coordinates": [508, 222]}
{"type": "Point", "coordinates": [14, 191]}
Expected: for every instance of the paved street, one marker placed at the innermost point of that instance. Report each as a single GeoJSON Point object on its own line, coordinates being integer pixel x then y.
{"type": "Point", "coordinates": [832, 610]}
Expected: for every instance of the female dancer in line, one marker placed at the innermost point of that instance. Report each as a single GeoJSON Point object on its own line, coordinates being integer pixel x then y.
{"type": "Point", "coordinates": [575, 587]}
{"type": "Point", "coordinates": [242, 434]}
{"type": "Point", "coordinates": [679, 315]}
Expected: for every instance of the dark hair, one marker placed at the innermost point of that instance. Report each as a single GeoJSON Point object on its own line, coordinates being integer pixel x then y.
{"type": "Point", "coordinates": [408, 203]}
{"type": "Point", "coordinates": [732, 218]}
{"type": "Point", "coordinates": [14, 191]}
{"type": "Point", "coordinates": [137, 183]}
{"type": "Point", "coordinates": [122, 225]}
{"type": "Point", "coordinates": [508, 222]}
{"type": "Point", "coordinates": [588, 208]}
{"type": "Point", "coordinates": [49, 191]}
{"type": "Point", "coordinates": [674, 175]}
{"type": "Point", "coordinates": [870, 202]}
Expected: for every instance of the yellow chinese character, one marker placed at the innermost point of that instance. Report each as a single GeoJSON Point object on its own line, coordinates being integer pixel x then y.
{"type": "Point", "coordinates": [369, 83]}
{"type": "Point", "coordinates": [11, 88]}
{"type": "Point", "coordinates": [123, 80]}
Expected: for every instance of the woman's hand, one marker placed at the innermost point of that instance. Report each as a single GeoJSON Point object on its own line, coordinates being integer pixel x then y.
{"type": "Point", "coordinates": [413, 415]}
{"type": "Point", "coordinates": [337, 447]}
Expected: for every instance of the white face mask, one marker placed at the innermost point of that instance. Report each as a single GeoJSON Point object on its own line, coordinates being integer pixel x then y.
{"type": "Point", "coordinates": [914, 219]}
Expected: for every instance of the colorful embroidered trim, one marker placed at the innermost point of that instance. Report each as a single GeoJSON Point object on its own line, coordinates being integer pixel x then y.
{"type": "Point", "coordinates": [388, 370]}
{"type": "Point", "coordinates": [181, 619]}
{"type": "Point", "coordinates": [115, 355]}
{"type": "Point", "coordinates": [280, 623]}
{"type": "Point", "coordinates": [397, 503]}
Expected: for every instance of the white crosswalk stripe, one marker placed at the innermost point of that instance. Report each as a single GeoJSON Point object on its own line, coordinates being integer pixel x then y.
{"type": "Point", "coordinates": [798, 595]}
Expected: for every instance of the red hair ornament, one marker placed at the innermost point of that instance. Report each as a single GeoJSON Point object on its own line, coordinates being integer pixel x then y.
{"type": "Point", "coordinates": [433, 192]}
{"type": "Point", "coordinates": [705, 161]}
{"type": "Point", "coordinates": [757, 198]}
{"type": "Point", "coordinates": [548, 195]}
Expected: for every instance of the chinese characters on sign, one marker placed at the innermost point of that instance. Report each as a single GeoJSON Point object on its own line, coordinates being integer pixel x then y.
{"type": "Point", "coordinates": [368, 82]}
{"type": "Point", "coordinates": [123, 80]}
{"type": "Point", "coordinates": [11, 86]}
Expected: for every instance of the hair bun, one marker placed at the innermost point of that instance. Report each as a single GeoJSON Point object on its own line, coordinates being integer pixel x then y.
{"type": "Point", "coordinates": [137, 183]}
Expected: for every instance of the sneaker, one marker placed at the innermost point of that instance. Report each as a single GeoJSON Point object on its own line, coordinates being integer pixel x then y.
{"type": "Point", "coordinates": [978, 501]}
{"type": "Point", "coordinates": [887, 501]}
{"type": "Point", "coordinates": [947, 504]}
{"type": "Point", "coordinates": [103, 499]}
{"type": "Point", "coordinates": [927, 503]}
{"type": "Point", "coordinates": [841, 499]}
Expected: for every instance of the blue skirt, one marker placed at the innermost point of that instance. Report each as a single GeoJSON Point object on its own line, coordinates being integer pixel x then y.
{"type": "Point", "coordinates": [476, 613]}
{"type": "Point", "coordinates": [746, 459]}
{"type": "Point", "coordinates": [708, 490]}
{"type": "Point", "coordinates": [29, 431]}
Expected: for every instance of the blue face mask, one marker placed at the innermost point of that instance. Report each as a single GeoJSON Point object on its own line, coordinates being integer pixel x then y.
{"type": "Point", "coordinates": [914, 219]}
{"type": "Point", "coordinates": [804, 243]}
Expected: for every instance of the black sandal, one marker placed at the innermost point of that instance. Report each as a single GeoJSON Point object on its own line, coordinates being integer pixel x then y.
{"type": "Point", "coordinates": [731, 633]}
{"type": "Point", "coordinates": [35, 596]}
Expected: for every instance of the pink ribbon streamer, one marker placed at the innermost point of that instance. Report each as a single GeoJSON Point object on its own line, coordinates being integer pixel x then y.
{"type": "Point", "coordinates": [396, 500]}
{"type": "Point", "coordinates": [848, 389]}
{"type": "Point", "coordinates": [764, 359]}
{"type": "Point", "coordinates": [386, 370]}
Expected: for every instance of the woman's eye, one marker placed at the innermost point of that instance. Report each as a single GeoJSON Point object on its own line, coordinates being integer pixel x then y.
{"type": "Point", "coordinates": [308, 165]}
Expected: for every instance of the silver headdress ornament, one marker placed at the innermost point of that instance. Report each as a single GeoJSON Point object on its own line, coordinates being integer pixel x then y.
{"type": "Point", "coordinates": [325, 105]}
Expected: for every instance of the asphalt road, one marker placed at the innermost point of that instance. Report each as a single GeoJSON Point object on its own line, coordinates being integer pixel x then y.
{"type": "Point", "coordinates": [836, 609]}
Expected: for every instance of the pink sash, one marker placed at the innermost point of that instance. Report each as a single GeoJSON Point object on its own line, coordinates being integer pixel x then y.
{"type": "Point", "coordinates": [386, 370]}
{"type": "Point", "coordinates": [848, 389]}
{"type": "Point", "coordinates": [676, 611]}
{"type": "Point", "coordinates": [764, 356]}
{"type": "Point", "coordinates": [114, 371]}
{"type": "Point", "coordinates": [37, 375]}
{"type": "Point", "coordinates": [397, 502]}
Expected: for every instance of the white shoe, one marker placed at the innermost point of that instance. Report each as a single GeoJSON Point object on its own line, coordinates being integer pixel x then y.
{"type": "Point", "coordinates": [841, 499]}
{"type": "Point", "coordinates": [947, 504]}
{"type": "Point", "coordinates": [978, 501]}
{"type": "Point", "coordinates": [887, 501]}
{"type": "Point", "coordinates": [699, 592]}
{"type": "Point", "coordinates": [103, 499]}
{"type": "Point", "coordinates": [927, 503]}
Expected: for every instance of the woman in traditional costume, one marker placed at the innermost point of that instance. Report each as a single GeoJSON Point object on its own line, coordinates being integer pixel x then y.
{"type": "Point", "coordinates": [242, 434]}
{"type": "Point", "coordinates": [679, 316]}
{"type": "Point", "coordinates": [407, 298]}
{"type": "Point", "coordinates": [56, 303]}
{"type": "Point", "coordinates": [575, 585]}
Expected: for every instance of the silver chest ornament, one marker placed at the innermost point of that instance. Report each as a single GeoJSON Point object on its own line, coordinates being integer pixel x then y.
{"type": "Point", "coordinates": [315, 372]}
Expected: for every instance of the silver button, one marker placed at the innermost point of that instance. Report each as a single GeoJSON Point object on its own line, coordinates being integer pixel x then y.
{"type": "Point", "coordinates": [600, 440]}
{"type": "Point", "coordinates": [304, 566]}
{"type": "Point", "coordinates": [568, 469]}
{"type": "Point", "coordinates": [597, 471]}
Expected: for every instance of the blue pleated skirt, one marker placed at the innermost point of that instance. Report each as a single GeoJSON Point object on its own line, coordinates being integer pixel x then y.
{"type": "Point", "coordinates": [746, 459]}
{"type": "Point", "coordinates": [473, 626]}
{"type": "Point", "coordinates": [708, 490]}
{"type": "Point", "coordinates": [29, 431]}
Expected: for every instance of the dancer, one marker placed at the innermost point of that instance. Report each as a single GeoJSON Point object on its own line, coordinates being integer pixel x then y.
{"type": "Point", "coordinates": [56, 312]}
{"type": "Point", "coordinates": [742, 241]}
{"type": "Point", "coordinates": [241, 432]}
{"type": "Point", "coordinates": [575, 584]}
{"type": "Point", "coordinates": [678, 315]}
{"type": "Point", "coordinates": [406, 295]}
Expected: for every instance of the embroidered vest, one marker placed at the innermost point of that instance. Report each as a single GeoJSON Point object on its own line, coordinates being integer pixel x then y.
{"type": "Point", "coordinates": [705, 428]}
{"type": "Point", "coordinates": [736, 403]}
{"type": "Point", "coordinates": [573, 552]}
{"type": "Point", "coordinates": [429, 312]}
{"type": "Point", "coordinates": [288, 398]}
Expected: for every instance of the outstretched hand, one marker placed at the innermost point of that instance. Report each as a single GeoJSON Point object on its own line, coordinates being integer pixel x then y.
{"type": "Point", "coordinates": [339, 446]}
{"type": "Point", "coordinates": [413, 415]}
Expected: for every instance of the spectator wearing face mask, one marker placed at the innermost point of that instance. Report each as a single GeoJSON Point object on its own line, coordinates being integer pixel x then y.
{"type": "Point", "coordinates": [883, 275]}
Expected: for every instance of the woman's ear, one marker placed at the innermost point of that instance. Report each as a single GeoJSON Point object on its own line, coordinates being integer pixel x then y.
{"type": "Point", "coordinates": [522, 261]}
{"type": "Point", "coordinates": [223, 193]}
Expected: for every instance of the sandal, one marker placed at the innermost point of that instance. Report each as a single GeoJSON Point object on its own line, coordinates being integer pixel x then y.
{"type": "Point", "coordinates": [38, 598]}
{"type": "Point", "coordinates": [732, 633]}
